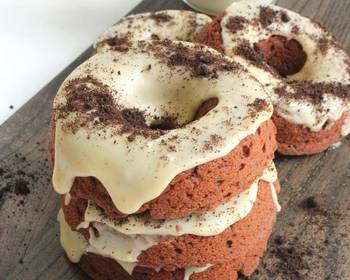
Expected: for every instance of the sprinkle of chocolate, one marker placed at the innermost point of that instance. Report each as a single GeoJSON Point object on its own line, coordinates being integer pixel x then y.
{"type": "Point", "coordinates": [267, 16]}
{"type": "Point", "coordinates": [285, 17]}
{"type": "Point", "coordinates": [323, 44]}
{"type": "Point", "coordinates": [295, 30]}
{"type": "Point", "coordinates": [120, 44]}
{"type": "Point", "coordinates": [134, 117]}
{"type": "Point", "coordinates": [11, 107]}
{"type": "Point", "coordinates": [95, 107]}
{"type": "Point", "coordinates": [254, 55]}
{"type": "Point", "coordinates": [236, 23]}
{"type": "Point", "coordinates": [155, 37]}
{"type": "Point", "coordinates": [259, 105]}
{"type": "Point", "coordinates": [161, 17]}
{"type": "Point", "coordinates": [314, 92]}
{"type": "Point", "coordinates": [199, 60]}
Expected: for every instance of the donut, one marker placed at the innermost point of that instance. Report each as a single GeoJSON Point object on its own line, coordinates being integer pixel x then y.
{"type": "Point", "coordinates": [162, 154]}
{"type": "Point", "coordinates": [167, 24]}
{"type": "Point", "coordinates": [228, 250]}
{"type": "Point", "coordinates": [306, 72]}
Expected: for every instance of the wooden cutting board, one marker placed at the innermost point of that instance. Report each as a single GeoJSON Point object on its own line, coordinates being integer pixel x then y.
{"type": "Point", "coordinates": [310, 240]}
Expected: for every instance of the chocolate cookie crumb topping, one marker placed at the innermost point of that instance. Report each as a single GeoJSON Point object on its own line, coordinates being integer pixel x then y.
{"type": "Point", "coordinates": [161, 17]}
{"type": "Point", "coordinates": [295, 30]}
{"type": "Point", "coordinates": [254, 55]}
{"type": "Point", "coordinates": [323, 44]}
{"type": "Point", "coordinates": [267, 16]}
{"type": "Point", "coordinates": [134, 117]}
{"type": "Point", "coordinates": [121, 44]}
{"type": "Point", "coordinates": [236, 23]}
{"type": "Point", "coordinates": [285, 17]}
{"type": "Point", "coordinates": [94, 105]}
{"type": "Point", "coordinates": [202, 62]}
{"type": "Point", "coordinates": [259, 105]}
{"type": "Point", "coordinates": [314, 92]}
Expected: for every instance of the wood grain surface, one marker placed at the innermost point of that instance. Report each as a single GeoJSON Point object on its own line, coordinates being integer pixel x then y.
{"type": "Point", "coordinates": [308, 242]}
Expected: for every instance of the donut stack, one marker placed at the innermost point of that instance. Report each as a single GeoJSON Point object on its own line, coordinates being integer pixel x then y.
{"type": "Point", "coordinates": [305, 70]}
{"type": "Point", "coordinates": [162, 153]}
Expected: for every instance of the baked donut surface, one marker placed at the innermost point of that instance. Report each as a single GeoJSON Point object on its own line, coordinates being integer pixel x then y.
{"type": "Point", "coordinates": [168, 24]}
{"type": "Point", "coordinates": [305, 69]}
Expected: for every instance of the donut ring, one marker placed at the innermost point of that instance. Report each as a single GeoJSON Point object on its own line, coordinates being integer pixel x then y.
{"type": "Point", "coordinates": [113, 114]}
{"type": "Point", "coordinates": [168, 24]}
{"type": "Point", "coordinates": [304, 68]}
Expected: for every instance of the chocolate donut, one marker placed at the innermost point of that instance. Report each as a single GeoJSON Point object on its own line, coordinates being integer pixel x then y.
{"type": "Point", "coordinates": [162, 155]}
{"type": "Point", "coordinates": [305, 70]}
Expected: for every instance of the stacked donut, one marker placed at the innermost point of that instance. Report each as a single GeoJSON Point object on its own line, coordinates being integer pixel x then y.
{"type": "Point", "coordinates": [162, 153]}
{"type": "Point", "coordinates": [305, 70]}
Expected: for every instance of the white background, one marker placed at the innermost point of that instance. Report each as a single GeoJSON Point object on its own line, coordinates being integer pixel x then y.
{"type": "Point", "coordinates": [39, 38]}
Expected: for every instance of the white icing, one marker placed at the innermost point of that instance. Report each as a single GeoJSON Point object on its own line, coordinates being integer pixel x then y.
{"type": "Point", "coordinates": [76, 246]}
{"type": "Point", "coordinates": [201, 224]}
{"type": "Point", "coordinates": [128, 266]}
{"type": "Point", "coordinates": [345, 130]}
{"type": "Point", "coordinates": [67, 198]}
{"type": "Point", "coordinates": [215, 7]}
{"type": "Point", "coordinates": [183, 26]}
{"type": "Point", "coordinates": [118, 246]}
{"type": "Point", "coordinates": [73, 243]}
{"type": "Point", "coordinates": [135, 173]}
{"type": "Point", "coordinates": [193, 270]}
{"type": "Point", "coordinates": [328, 67]}
{"type": "Point", "coordinates": [275, 197]}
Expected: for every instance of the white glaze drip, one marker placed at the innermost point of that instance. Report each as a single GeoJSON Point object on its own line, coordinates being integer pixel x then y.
{"type": "Point", "coordinates": [193, 270]}
{"type": "Point", "coordinates": [275, 197]}
{"type": "Point", "coordinates": [201, 224]}
{"type": "Point", "coordinates": [76, 246]}
{"type": "Point", "coordinates": [345, 130]}
{"type": "Point", "coordinates": [67, 198]}
{"type": "Point", "coordinates": [73, 243]}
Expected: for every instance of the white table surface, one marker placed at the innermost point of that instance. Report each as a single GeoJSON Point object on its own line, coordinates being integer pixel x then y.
{"type": "Point", "coordinates": [39, 38]}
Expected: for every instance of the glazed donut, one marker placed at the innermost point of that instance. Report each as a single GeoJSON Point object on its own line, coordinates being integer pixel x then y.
{"type": "Point", "coordinates": [306, 71]}
{"type": "Point", "coordinates": [162, 156]}
{"type": "Point", "coordinates": [236, 249]}
{"type": "Point", "coordinates": [147, 106]}
{"type": "Point", "coordinates": [167, 24]}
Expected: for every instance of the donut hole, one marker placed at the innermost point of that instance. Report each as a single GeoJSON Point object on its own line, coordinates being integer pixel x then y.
{"type": "Point", "coordinates": [287, 57]}
{"type": "Point", "coordinates": [169, 123]}
{"type": "Point", "coordinates": [164, 124]}
{"type": "Point", "coordinates": [167, 99]}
